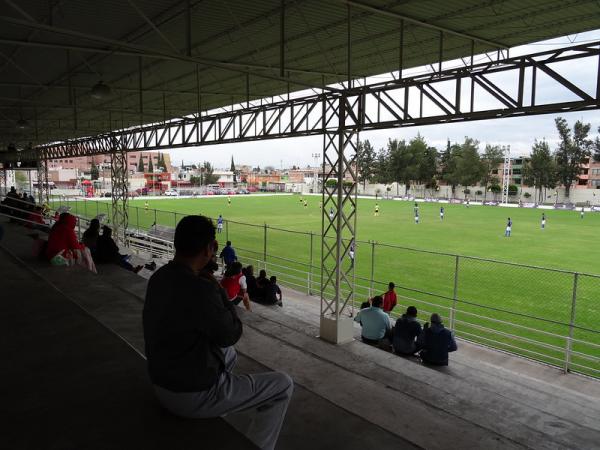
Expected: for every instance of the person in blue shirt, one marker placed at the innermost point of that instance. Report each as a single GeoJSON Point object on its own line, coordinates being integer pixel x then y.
{"type": "Point", "coordinates": [228, 254]}
{"type": "Point", "coordinates": [375, 323]}
{"type": "Point", "coordinates": [436, 342]}
{"type": "Point", "coordinates": [442, 213]}
{"type": "Point", "coordinates": [220, 224]}
{"type": "Point", "coordinates": [508, 228]}
{"type": "Point", "coordinates": [543, 221]}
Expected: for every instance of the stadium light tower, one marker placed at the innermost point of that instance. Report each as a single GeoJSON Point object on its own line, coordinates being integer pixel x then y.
{"type": "Point", "coordinates": [506, 174]}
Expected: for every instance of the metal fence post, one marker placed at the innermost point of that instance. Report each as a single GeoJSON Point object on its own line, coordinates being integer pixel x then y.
{"type": "Point", "coordinates": [372, 269]}
{"type": "Point", "coordinates": [310, 264]}
{"type": "Point", "coordinates": [454, 295]}
{"type": "Point", "coordinates": [265, 247]}
{"type": "Point", "coordinates": [226, 230]}
{"type": "Point", "coordinates": [155, 219]}
{"type": "Point", "coordinates": [569, 346]}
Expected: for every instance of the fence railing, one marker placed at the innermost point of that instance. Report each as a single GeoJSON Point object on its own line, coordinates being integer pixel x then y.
{"type": "Point", "coordinates": [549, 315]}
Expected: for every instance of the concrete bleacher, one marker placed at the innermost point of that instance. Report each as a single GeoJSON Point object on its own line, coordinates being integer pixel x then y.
{"type": "Point", "coordinates": [77, 359]}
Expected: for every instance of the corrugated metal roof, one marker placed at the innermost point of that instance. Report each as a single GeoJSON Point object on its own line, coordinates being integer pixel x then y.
{"type": "Point", "coordinates": [40, 64]}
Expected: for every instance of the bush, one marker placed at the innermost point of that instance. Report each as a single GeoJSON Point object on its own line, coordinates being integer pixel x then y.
{"type": "Point", "coordinates": [479, 193]}
{"type": "Point", "coordinates": [331, 183]}
{"type": "Point", "coordinates": [495, 188]}
{"type": "Point", "coordinates": [513, 189]}
{"type": "Point", "coordinates": [527, 195]}
{"type": "Point", "coordinates": [467, 191]}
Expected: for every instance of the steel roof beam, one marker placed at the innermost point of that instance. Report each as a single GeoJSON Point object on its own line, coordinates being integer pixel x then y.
{"type": "Point", "coordinates": [147, 52]}
{"type": "Point", "coordinates": [423, 24]}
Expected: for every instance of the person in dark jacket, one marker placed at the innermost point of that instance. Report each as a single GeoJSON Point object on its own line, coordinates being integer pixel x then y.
{"type": "Point", "coordinates": [250, 281]}
{"type": "Point", "coordinates": [406, 332]}
{"type": "Point", "coordinates": [107, 251]}
{"type": "Point", "coordinates": [190, 327]}
{"type": "Point", "coordinates": [436, 342]}
{"type": "Point", "coordinates": [91, 235]}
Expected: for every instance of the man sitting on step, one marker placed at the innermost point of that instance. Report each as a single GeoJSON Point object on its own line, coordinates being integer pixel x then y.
{"type": "Point", "coordinates": [376, 328]}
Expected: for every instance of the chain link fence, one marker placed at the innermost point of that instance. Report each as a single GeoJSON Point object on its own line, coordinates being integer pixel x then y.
{"type": "Point", "coordinates": [544, 314]}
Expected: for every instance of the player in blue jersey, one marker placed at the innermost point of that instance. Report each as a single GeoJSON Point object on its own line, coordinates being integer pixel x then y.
{"type": "Point", "coordinates": [543, 221]}
{"type": "Point", "coordinates": [508, 228]}
{"type": "Point", "coordinates": [220, 224]}
{"type": "Point", "coordinates": [442, 213]}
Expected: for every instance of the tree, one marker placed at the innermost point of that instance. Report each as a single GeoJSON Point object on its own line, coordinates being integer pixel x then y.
{"type": "Point", "coordinates": [513, 190]}
{"type": "Point", "coordinates": [574, 149]}
{"type": "Point", "coordinates": [232, 169]}
{"type": "Point", "coordinates": [207, 174]}
{"type": "Point", "coordinates": [404, 162]}
{"type": "Point", "coordinates": [468, 165]}
{"type": "Point", "coordinates": [540, 171]}
{"type": "Point", "coordinates": [492, 157]}
{"type": "Point", "coordinates": [382, 169]}
{"type": "Point", "coordinates": [94, 172]}
{"type": "Point", "coordinates": [495, 189]}
{"type": "Point", "coordinates": [161, 164]}
{"type": "Point", "coordinates": [195, 180]}
{"type": "Point", "coordinates": [150, 165]}
{"type": "Point", "coordinates": [365, 161]}
{"type": "Point", "coordinates": [140, 167]}
{"type": "Point", "coordinates": [448, 160]}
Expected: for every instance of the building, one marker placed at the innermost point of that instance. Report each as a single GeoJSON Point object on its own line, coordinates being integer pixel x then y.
{"type": "Point", "coordinates": [84, 163]}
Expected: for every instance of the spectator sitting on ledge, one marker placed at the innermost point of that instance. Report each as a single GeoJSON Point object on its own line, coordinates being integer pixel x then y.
{"type": "Point", "coordinates": [436, 342]}
{"type": "Point", "coordinates": [375, 323]}
{"type": "Point", "coordinates": [406, 331]}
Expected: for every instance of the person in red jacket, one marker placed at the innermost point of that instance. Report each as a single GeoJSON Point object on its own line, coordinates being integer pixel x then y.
{"type": "Point", "coordinates": [389, 298]}
{"type": "Point", "coordinates": [62, 236]}
{"type": "Point", "coordinates": [234, 283]}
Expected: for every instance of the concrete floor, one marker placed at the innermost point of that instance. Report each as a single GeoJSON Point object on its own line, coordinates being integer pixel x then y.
{"type": "Point", "coordinates": [354, 396]}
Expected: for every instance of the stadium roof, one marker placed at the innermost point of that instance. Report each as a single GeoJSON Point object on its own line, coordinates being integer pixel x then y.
{"type": "Point", "coordinates": [55, 52]}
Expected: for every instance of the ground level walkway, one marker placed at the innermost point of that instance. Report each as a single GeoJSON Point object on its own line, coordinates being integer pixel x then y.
{"type": "Point", "coordinates": [73, 345]}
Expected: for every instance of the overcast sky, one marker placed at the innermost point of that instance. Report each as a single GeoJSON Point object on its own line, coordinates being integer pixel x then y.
{"type": "Point", "coordinates": [519, 133]}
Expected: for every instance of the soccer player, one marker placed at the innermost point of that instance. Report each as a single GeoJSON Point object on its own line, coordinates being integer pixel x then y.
{"type": "Point", "coordinates": [305, 204]}
{"type": "Point", "coordinates": [301, 200]}
{"type": "Point", "coordinates": [220, 224]}
{"type": "Point", "coordinates": [331, 213]}
{"type": "Point", "coordinates": [468, 203]}
{"type": "Point", "coordinates": [146, 206]}
{"type": "Point", "coordinates": [417, 216]}
{"type": "Point", "coordinates": [543, 221]}
{"type": "Point", "coordinates": [508, 228]}
{"type": "Point", "coordinates": [376, 213]}
{"type": "Point", "coordinates": [441, 213]}
{"type": "Point", "coordinates": [320, 205]}
{"type": "Point", "coordinates": [416, 208]}
{"type": "Point", "coordinates": [228, 200]}
{"type": "Point", "coordinates": [581, 213]}
{"type": "Point", "coordinates": [351, 252]}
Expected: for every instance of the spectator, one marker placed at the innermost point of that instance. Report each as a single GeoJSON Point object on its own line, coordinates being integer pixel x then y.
{"type": "Point", "coordinates": [234, 283]}
{"type": "Point", "coordinates": [107, 251]}
{"type": "Point", "coordinates": [436, 342]}
{"type": "Point", "coordinates": [375, 323]}
{"type": "Point", "coordinates": [190, 328]}
{"type": "Point", "coordinates": [273, 292]}
{"type": "Point", "coordinates": [261, 284]}
{"type": "Point", "coordinates": [389, 298]}
{"type": "Point", "coordinates": [62, 237]}
{"type": "Point", "coordinates": [366, 304]}
{"type": "Point", "coordinates": [250, 281]}
{"type": "Point", "coordinates": [228, 254]}
{"type": "Point", "coordinates": [91, 235]}
{"type": "Point", "coordinates": [406, 332]}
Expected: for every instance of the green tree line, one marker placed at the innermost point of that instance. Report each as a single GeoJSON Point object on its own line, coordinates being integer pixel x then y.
{"type": "Point", "coordinates": [415, 162]}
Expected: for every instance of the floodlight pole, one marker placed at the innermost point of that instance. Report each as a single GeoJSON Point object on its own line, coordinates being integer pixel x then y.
{"type": "Point", "coordinates": [506, 175]}
{"type": "Point", "coordinates": [339, 228]}
{"type": "Point", "coordinates": [42, 181]}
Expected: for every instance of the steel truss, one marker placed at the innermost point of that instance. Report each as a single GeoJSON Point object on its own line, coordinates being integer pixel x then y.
{"type": "Point", "coordinates": [338, 222]}
{"type": "Point", "coordinates": [503, 88]}
{"type": "Point", "coordinates": [43, 184]}
{"type": "Point", "coordinates": [3, 181]}
{"type": "Point", "coordinates": [119, 193]}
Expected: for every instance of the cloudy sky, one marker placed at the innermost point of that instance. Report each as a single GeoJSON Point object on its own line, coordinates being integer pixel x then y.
{"type": "Point", "coordinates": [519, 133]}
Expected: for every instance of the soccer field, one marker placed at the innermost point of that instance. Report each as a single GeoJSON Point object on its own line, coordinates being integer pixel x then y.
{"type": "Point", "coordinates": [507, 306]}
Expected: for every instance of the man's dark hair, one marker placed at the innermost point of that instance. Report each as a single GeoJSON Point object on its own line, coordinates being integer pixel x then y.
{"type": "Point", "coordinates": [233, 269]}
{"type": "Point", "coordinates": [273, 279]}
{"type": "Point", "coordinates": [377, 301]}
{"type": "Point", "coordinates": [228, 243]}
{"type": "Point", "coordinates": [411, 311]}
{"type": "Point", "coordinates": [193, 234]}
{"type": "Point", "coordinates": [391, 285]}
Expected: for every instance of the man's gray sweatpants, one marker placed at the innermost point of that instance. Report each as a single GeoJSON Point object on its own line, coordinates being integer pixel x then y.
{"type": "Point", "coordinates": [259, 401]}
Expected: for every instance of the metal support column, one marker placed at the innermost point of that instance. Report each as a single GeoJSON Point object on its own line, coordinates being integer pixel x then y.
{"type": "Point", "coordinates": [338, 224]}
{"type": "Point", "coordinates": [569, 346]}
{"type": "Point", "coordinates": [42, 182]}
{"type": "Point", "coordinates": [3, 181]}
{"type": "Point", "coordinates": [119, 184]}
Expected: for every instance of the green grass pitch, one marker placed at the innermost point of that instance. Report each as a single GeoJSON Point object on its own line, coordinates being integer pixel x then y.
{"type": "Point", "coordinates": [487, 292]}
